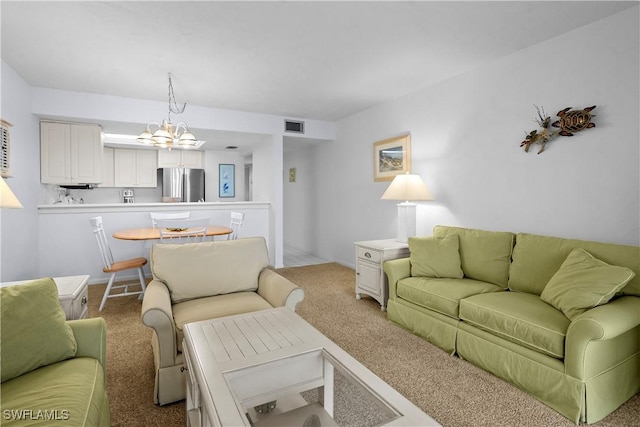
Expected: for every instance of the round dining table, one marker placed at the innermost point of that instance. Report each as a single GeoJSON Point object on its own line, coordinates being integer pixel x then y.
{"type": "Point", "coordinates": [154, 233]}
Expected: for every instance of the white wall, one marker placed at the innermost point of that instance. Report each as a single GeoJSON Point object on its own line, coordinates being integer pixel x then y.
{"type": "Point", "coordinates": [19, 227]}
{"type": "Point", "coordinates": [299, 201]}
{"type": "Point", "coordinates": [212, 161]}
{"type": "Point", "coordinates": [267, 186]}
{"type": "Point", "coordinates": [465, 144]}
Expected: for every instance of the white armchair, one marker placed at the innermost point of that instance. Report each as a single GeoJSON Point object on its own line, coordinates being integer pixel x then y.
{"type": "Point", "coordinates": [199, 281]}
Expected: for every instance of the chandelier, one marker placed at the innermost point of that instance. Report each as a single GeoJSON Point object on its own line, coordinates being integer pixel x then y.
{"type": "Point", "coordinates": [169, 135]}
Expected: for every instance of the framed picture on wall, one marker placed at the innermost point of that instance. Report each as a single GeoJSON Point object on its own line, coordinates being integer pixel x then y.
{"type": "Point", "coordinates": [391, 157]}
{"type": "Point", "coordinates": [226, 180]}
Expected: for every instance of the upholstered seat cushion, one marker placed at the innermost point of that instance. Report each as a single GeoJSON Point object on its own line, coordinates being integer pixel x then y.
{"type": "Point", "coordinates": [441, 295]}
{"type": "Point", "coordinates": [72, 392]}
{"type": "Point", "coordinates": [213, 307]}
{"type": "Point", "coordinates": [520, 318]}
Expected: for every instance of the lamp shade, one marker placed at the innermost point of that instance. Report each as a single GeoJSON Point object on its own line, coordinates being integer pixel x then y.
{"type": "Point", "coordinates": [145, 137]}
{"type": "Point", "coordinates": [407, 187]}
{"type": "Point", "coordinates": [7, 198]}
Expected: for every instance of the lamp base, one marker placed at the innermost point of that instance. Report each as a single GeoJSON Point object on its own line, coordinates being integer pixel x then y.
{"type": "Point", "coordinates": [406, 221]}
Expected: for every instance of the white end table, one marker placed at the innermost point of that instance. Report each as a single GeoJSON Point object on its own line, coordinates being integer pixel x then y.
{"type": "Point", "coordinates": [370, 258]}
{"type": "Point", "coordinates": [73, 293]}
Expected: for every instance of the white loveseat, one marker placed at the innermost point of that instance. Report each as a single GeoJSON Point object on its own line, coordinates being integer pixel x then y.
{"type": "Point", "coordinates": [199, 281]}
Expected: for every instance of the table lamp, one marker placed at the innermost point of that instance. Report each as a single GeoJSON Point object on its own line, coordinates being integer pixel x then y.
{"type": "Point", "coordinates": [7, 198]}
{"type": "Point", "coordinates": [407, 187]}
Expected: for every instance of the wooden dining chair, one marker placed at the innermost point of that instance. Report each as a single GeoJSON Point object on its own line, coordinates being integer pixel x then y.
{"type": "Point", "coordinates": [236, 222]}
{"type": "Point", "coordinates": [155, 216]}
{"type": "Point", "coordinates": [182, 230]}
{"type": "Point", "coordinates": [113, 267]}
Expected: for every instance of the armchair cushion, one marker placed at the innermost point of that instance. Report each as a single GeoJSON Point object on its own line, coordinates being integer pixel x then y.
{"type": "Point", "coordinates": [34, 328]}
{"type": "Point", "coordinates": [199, 309]}
{"type": "Point", "coordinates": [437, 257]}
{"type": "Point", "coordinates": [584, 282]}
{"type": "Point", "coordinates": [196, 270]}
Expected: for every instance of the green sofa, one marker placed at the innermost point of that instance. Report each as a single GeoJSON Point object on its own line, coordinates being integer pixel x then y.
{"type": "Point", "coordinates": [558, 318]}
{"type": "Point", "coordinates": [53, 370]}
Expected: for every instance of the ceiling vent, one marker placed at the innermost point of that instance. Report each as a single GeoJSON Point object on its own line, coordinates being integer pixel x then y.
{"type": "Point", "coordinates": [293, 126]}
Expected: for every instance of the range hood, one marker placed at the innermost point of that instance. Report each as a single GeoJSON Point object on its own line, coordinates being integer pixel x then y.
{"type": "Point", "coordinates": [79, 186]}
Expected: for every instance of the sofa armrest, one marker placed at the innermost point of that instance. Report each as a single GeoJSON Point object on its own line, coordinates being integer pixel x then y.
{"type": "Point", "coordinates": [279, 291]}
{"type": "Point", "coordinates": [396, 269]}
{"type": "Point", "coordinates": [585, 355]}
{"type": "Point", "coordinates": [158, 315]}
{"type": "Point", "coordinates": [91, 337]}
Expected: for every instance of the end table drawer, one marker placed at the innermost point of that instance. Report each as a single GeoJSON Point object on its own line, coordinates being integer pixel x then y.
{"type": "Point", "coordinates": [76, 307]}
{"type": "Point", "coordinates": [80, 306]}
{"type": "Point", "coordinates": [368, 254]}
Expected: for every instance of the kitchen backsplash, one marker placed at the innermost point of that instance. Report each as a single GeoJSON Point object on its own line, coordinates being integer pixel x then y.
{"type": "Point", "coordinates": [49, 195]}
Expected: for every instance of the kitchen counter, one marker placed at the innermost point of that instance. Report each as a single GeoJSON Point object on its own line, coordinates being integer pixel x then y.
{"type": "Point", "coordinates": [147, 207]}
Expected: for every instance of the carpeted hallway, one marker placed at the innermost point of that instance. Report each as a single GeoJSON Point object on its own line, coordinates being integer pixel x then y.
{"type": "Point", "coordinates": [449, 389]}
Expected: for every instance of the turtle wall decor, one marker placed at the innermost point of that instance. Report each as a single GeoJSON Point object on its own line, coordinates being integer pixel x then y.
{"type": "Point", "coordinates": [574, 120]}
{"type": "Point", "coordinates": [569, 121]}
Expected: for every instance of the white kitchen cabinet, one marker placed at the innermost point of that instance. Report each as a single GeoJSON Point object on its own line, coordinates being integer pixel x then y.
{"type": "Point", "coordinates": [70, 153]}
{"type": "Point", "coordinates": [135, 168]}
{"type": "Point", "coordinates": [370, 258]}
{"type": "Point", "coordinates": [107, 168]}
{"type": "Point", "coordinates": [181, 159]}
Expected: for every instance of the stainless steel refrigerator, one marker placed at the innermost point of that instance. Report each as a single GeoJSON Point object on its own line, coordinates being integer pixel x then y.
{"type": "Point", "coordinates": [182, 184]}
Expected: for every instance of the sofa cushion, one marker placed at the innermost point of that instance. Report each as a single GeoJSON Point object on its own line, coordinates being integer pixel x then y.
{"type": "Point", "coordinates": [484, 255]}
{"type": "Point", "coordinates": [196, 270]}
{"type": "Point", "coordinates": [537, 258]}
{"type": "Point", "coordinates": [213, 307]}
{"type": "Point", "coordinates": [71, 392]}
{"type": "Point", "coordinates": [435, 257]}
{"type": "Point", "coordinates": [441, 295]}
{"type": "Point", "coordinates": [520, 318]}
{"type": "Point", "coordinates": [34, 332]}
{"type": "Point", "coordinates": [584, 282]}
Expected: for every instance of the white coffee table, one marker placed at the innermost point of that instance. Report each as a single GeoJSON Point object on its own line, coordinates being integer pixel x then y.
{"type": "Point", "coordinates": [238, 362]}
{"type": "Point", "coordinates": [73, 293]}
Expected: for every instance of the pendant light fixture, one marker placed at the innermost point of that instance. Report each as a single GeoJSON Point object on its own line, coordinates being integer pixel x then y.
{"type": "Point", "coordinates": [169, 135]}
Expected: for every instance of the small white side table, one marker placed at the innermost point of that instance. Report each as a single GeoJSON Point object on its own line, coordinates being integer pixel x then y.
{"type": "Point", "coordinates": [370, 257]}
{"type": "Point", "coordinates": [73, 293]}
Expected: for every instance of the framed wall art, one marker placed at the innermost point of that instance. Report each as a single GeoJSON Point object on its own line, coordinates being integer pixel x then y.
{"type": "Point", "coordinates": [226, 180]}
{"type": "Point", "coordinates": [391, 157]}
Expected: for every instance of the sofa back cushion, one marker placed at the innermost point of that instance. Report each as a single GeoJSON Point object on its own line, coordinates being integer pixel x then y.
{"type": "Point", "coordinates": [435, 257]}
{"type": "Point", "coordinates": [484, 255]}
{"type": "Point", "coordinates": [196, 270]}
{"type": "Point", "coordinates": [537, 258]}
{"type": "Point", "coordinates": [35, 332]}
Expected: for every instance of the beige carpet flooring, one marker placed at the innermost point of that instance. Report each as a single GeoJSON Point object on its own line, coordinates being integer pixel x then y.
{"type": "Point", "coordinates": [449, 389]}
